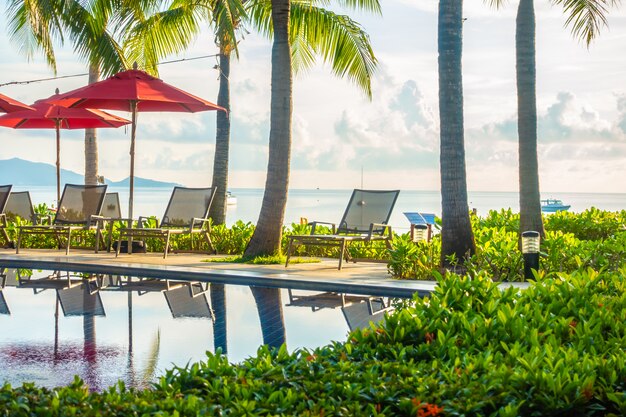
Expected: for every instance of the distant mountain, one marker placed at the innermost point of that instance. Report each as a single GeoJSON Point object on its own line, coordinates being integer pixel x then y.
{"type": "Point", "coordinates": [18, 171]}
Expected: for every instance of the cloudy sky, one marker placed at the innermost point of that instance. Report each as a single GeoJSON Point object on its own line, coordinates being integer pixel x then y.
{"type": "Point", "coordinates": [394, 138]}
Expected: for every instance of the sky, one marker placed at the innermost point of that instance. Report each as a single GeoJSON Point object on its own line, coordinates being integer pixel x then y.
{"type": "Point", "coordinates": [342, 140]}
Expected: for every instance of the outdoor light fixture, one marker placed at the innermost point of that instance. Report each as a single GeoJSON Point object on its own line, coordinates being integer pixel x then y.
{"type": "Point", "coordinates": [419, 233]}
{"type": "Point", "coordinates": [530, 251]}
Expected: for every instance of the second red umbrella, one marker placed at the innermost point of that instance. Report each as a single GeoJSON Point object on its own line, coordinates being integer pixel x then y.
{"type": "Point", "coordinates": [135, 91]}
{"type": "Point", "coordinates": [50, 116]}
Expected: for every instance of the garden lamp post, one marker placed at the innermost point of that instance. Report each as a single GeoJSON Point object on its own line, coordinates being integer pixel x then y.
{"type": "Point", "coordinates": [419, 233]}
{"type": "Point", "coordinates": [530, 251]}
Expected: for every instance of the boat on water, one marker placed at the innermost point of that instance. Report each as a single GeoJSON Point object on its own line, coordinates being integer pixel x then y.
{"type": "Point", "coordinates": [552, 205]}
{"type": "Point", "coordinates": [231, 200]}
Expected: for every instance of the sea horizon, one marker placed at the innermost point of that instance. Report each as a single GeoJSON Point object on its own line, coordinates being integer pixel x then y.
{"type": "Point", "coordinates": [329, 204]}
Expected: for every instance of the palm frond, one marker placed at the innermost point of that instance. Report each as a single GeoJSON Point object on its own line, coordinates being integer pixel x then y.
{"type": "Point", "coordinates": [586, 17]}
{"type": "Point", "coordinates": [161, 34]}
{"type": "Point", "coordinates": [227, 17]}
{"type": "Point", "coordinates": [34, 26]}
{"type": "Point", "coordinates": [496, 4]}
{"type": "Point", "coordinates": [92, 41]}
{"type": "Point", "coordinates": [339, 40]}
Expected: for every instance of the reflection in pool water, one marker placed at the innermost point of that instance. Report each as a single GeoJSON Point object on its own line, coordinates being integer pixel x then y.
{"type": "Point", "coordinates": [106, 328]}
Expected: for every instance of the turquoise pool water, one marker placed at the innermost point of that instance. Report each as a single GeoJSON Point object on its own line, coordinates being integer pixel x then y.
{"type": "Point", "coordinates": [107, 328]}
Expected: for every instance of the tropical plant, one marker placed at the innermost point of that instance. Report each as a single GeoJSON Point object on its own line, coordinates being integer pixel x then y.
{"type": "Point", "coordinates": [103, 35]}
{"type": "Point", "coordinates": [586, 18]}
{"type": "Point", "coordinates": [347, 57]}
{"type": "Point", "coordinates": [457, 240]}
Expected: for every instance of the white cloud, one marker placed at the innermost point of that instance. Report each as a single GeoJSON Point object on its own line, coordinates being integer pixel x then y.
{"type": "Point", "coordinates": [336, 131]}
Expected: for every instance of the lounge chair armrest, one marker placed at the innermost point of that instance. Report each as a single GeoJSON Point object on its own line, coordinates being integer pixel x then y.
{"type": "Point", "coordinates": [141, 220]}
{"type": "Point", "coordinates": [198, 220]}
{"type": "Point", "coordinates": [379, 225]}
{"type": "Point", "coordinates": [315, 223]}
{"type": "Point", "coordinates": [40, 218]}
{"type": "Point", "coordinates": [95, 219]}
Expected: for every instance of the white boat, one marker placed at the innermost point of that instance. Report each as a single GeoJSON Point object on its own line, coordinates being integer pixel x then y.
{"type": "Point", "coordinates": [231, 200]}
{"type": "Point", "coordinates": [552, 205]}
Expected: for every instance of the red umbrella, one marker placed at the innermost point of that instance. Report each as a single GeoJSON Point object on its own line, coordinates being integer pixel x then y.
{"type": "Point", "coordinates": [135, 91]}
{"type": "Point", "coordinates": [8, 105]}
{"type": "Point", "coordinates": [50, 116]}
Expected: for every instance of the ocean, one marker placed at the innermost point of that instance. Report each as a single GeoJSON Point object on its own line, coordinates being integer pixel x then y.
{"type": "Point", "coordinates": [329, 205]}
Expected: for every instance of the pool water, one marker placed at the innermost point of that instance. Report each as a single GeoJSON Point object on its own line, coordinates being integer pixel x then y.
{"type": "Point", "coordinates": [107, 328]}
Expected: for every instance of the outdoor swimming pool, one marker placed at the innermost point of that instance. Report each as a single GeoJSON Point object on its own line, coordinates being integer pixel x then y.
{"type": "Point", "coordinates": [106, 328]}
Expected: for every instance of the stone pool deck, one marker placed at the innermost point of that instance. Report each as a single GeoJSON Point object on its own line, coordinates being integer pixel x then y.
{"type": "Point", "coordinates": [367, 278]}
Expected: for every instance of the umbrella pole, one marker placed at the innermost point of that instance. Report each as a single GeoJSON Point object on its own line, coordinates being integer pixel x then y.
{"type": "Point", "coordinates": [133, 109]}
{"type": "Point", "coordinates": [58, 129]}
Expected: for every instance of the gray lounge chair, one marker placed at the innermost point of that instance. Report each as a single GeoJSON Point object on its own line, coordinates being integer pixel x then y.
{"type": "Point", "coordinates": [5, 191]}
{"type": "Point", "coordinates": [111, 212]}
{"type": "Point", "coordinates": [187, 213]}
{"type": "Point", "coordinates": [20, 205]}
{"type": "Point", "coordinates": [365, 220]}
{"type": "Point", "coordinates": [111, 206]}
{"type": "Point", "coordinates": [79, 209]}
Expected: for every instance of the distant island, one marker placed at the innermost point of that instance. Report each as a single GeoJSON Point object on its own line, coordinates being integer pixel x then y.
{"type": "Point", "coordinates": [18, 171]}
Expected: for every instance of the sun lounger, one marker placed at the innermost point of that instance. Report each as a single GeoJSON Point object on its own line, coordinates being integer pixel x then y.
{"type": "Point", "coordinates": [20, 205]}
{"type": "Point", "coordinates": [79, 209]}
{"type": "Point", "coordinates": [365, 220]}
{"type": "Point", "coordinates": [187, 213]}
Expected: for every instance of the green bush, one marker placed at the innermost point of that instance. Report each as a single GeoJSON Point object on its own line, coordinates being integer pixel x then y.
{"type": "Point", "coordinates": [592, 239]}
{"type": "Point", "coordinates": [470, 349]}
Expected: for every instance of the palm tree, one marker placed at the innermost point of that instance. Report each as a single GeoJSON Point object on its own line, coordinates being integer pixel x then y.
{"type": "Point", "coordinates": [227, 17]}
{"type": "Point", "coordinates": [348, 53]}
{"type": "Point", "coordinates": [100, 31]}
{"type": "Point", "coordinates": [457, 239]}
{"type": "Point", "coordinates": [586, 18]}
{"type": "Point", "coordinates": [35, 25]}
{"type": "Point", "coordinates": [268, 233]}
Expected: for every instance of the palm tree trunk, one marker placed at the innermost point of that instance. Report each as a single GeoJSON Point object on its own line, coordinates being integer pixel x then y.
{"type": "Point", "coordinates": [91, 141]}
{"type": "Point", "coordinates": [220, 328]}
{"type": "Point", "coordinates": [268, 233]}
{"type": "Point", "coordinates": [456, 232]}
{"type": "Point", "coordinates": [270, 308]}
{"type": "Point", "coordinates": [529, 196]}
{"type": "Point", "coordinates": [222, 141]}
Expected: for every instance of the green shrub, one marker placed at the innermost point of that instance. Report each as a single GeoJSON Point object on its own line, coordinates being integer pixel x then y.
{"type": "Point", "coordinates": [470, 349]}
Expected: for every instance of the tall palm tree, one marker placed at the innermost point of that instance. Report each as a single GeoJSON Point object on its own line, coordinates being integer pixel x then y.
{"type": "Point", "coordinates": [36, 24]}
{"type": "Point", "coordinates": [268, 233]}
{"type": "Point", "coordinates": [343, 43]}
{"type": "Point", "coordinates": [457, 239]}
{"type": "Point", "coordinates": [100, 33]}
{"type": "Point", "coordinates": [337, 46]}
{"type": "Point", "coordinates": [586, 19]}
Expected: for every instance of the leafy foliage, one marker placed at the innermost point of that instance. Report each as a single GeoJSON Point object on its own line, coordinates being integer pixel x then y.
{"type": "Point", "coordinates": [591, 239]}
{"type": "Point", "coordinates": [471, 348]}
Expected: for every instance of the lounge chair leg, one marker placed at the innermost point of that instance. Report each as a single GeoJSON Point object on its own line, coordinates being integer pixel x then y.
{"type": "Point", "coordinates": [119, 244]}
{"type": "Point", "coordinates": [288, 251]}
{"type": "Point", "coordinates": [98, 237]}
{"type": "Point", "coordinates": [207, 237]}
{"type": "Point", "coordinates": [19, 241]}
{"type": "Point", "coordinates": [342, 252]}
{"type": "Point", "coordinates": [167, 245]}
{"type": "Point", "coordinates": [110, 237]}
{"type": "Point", "coordinates": [67, 247]}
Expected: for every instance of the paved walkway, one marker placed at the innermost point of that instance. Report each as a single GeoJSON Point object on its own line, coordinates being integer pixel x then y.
{"type": "Point", "coordinates": [360, 278]}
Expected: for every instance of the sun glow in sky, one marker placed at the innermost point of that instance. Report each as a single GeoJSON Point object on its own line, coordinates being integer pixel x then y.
{"type": "Point", "coordinates": [393, 139]}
